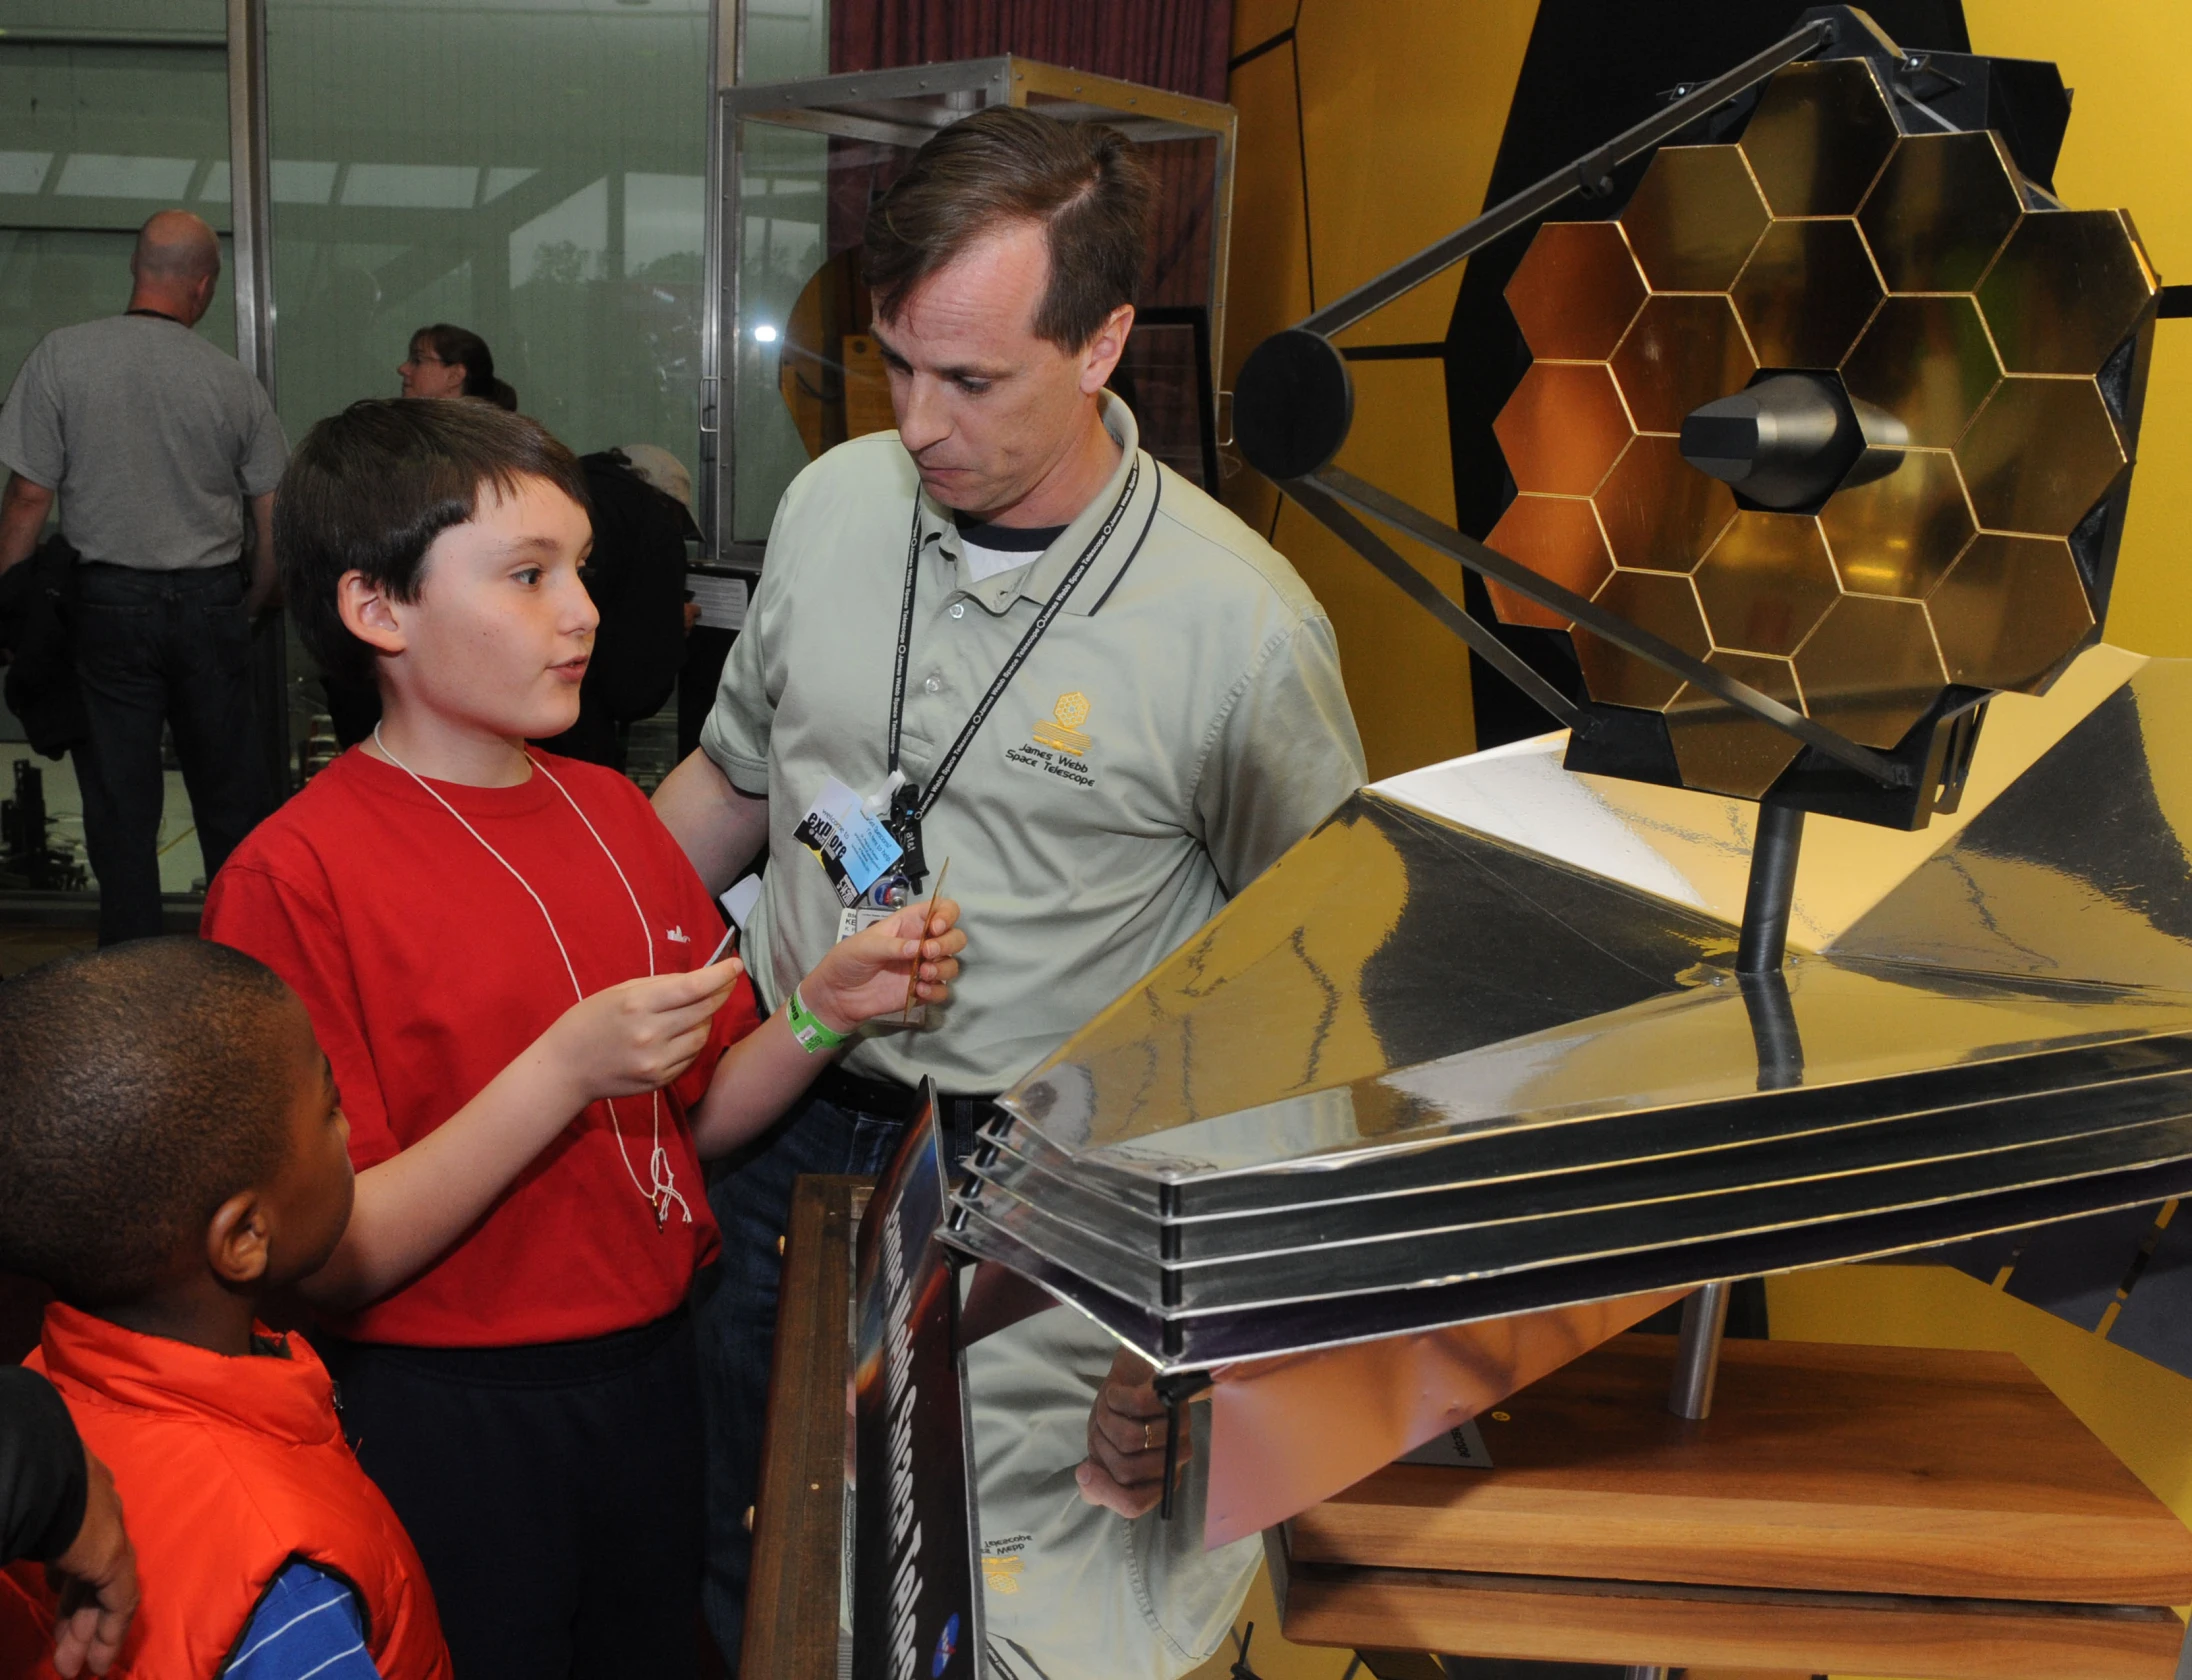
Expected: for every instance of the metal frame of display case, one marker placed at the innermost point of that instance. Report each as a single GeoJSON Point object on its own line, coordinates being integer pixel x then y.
{"type": "Point", "coordinates": [904, 108]}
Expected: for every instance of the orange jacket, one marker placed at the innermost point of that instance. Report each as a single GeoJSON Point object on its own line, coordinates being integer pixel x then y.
{"type": "Point", "coordinates": [227, 1469]}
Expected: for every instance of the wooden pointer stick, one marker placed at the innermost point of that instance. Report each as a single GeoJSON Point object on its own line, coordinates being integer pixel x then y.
{"type": "Point", "coordinates": [913, 980]}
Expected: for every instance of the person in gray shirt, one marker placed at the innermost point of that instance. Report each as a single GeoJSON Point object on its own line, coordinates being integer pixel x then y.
{"type": "Point", "coordinates": [1053, 663]}
{"type": "Point", "coordinates": [154, 442]}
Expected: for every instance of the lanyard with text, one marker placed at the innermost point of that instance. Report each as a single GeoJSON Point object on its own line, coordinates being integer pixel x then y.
{"type": "Point", "coordinates": [909, 804]}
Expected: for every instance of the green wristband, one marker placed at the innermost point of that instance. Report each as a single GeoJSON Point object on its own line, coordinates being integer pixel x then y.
{"type": "Point", "coordinates": [807, 1027]}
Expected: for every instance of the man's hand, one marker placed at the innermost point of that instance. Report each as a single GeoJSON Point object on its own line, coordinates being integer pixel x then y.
{"type": "Point", "coordinates": [865, 976]}
{"type": "Point", "coordinates": [265, 583]}
{"type": "Point", "coordinates": [638, 1036]}
{"type": "Point", "coordinates": [96, 1580]}
{"type": "Point", "coordinates": [1127, 1429]}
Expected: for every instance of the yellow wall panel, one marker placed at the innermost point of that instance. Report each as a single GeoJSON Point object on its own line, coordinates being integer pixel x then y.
{"type": "Point", "coordinates": [1269, 284]}
{"type": "Point", "coordinates": [2126, 61]}
{"type": "Point", "coordinates": [1400, 117]}
{"type": "Point", "coordinates": [1257, 21]}
{"type": "Point", "coordinates": [1406, 674]}
{"type": "Point", "coordinates": [1403, 122]}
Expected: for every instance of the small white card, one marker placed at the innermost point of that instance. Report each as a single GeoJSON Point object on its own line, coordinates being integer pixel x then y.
{"type": "Point", "coordinates": [739, 899]}
{"type": "Point", "coordinates": [1460, 1448]}
{"type": "Point", "coordinates": [722, 600]}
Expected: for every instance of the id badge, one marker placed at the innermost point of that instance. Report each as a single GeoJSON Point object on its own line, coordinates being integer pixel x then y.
{"type": "Point", "coordinates": [855, 848]}
{"type": "Point", "coordinates": [885, 897]}
{"type": "Point", "coordinates": [890, 894]}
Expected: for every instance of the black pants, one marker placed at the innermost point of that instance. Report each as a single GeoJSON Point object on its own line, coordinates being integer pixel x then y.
{"type": "Point", "coordinates": [154, 648]}
{"type": "Point", "coordinates": [554, 1492]}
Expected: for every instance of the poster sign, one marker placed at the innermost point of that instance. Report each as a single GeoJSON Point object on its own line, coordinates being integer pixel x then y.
{"type": "Point", "coordinates": [916, 1593]}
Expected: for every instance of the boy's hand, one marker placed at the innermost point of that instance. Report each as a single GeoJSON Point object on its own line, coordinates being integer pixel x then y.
{"type": "Point", "coordinates": [865, 976]}
{"type": "Point", "coordinates": [640, 1035]}
{"type": "Point", "coordinates": [95, 1579]}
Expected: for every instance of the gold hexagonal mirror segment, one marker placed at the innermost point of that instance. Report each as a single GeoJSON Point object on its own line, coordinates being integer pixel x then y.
{"type": "Point", "coordinates": [1563, 428]}
{"type": "Point", "coordinates": [1940, 211]}
{"type": "Point", "coordinates": [1871, 669]}
{"type": "Point", "coordinates": [1724, 750]}
{"type": "Point", "coordinates": [1927, 361]}
{"type": "Point", "coordinates": [2039, 455]}
{"type": "Point", "coordinates": [1900, 534]}
{"type": "Point", "coordinates": [1819, 136]}
{"type": "Point", "coordinates": [2012, 612]}
{"type": "Point", "coordinates": [1660, 514]}
{"type": "Point", "coordinates": [1575, 291]}
{"type": "Point", "coordinates": [1660, 602]}
{"type": "Point", "coordinates": [1807, 293]}
{"type": "Point", "coordinates": [1680, 352]}
{"type": "Point", "coordinates": [1693, 218]}
{"type": "Point", "coordinates": [1558, 538]}
{"type": "Point", "coordinates": [1766, 583]}
{"type": "Point", "coordinates": [1822, 241]}
{"type": "Point", "coordinates": [2067, 289]}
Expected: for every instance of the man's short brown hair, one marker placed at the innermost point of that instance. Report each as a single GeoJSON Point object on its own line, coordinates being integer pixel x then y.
{"type": "Point", "coordinates": [1080, 181]}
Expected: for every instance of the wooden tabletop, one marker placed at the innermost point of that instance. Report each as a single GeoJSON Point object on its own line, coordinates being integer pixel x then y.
{"type": "Point", "coordinates": [1822, 1468]}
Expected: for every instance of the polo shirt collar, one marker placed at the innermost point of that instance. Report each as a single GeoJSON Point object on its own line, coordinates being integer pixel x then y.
{"type": "Point", "coordinates": [1037, 580]}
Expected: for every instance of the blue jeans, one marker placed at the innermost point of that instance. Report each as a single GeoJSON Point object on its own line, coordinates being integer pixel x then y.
{"type": "Point", "coordinates": [154, 648]}
{"type": "Point", "coordinates": [736, 1321]}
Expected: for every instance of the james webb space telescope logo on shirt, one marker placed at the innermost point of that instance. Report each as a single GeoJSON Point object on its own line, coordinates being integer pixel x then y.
{"type": "Point", "coordinates": [1059, 747]}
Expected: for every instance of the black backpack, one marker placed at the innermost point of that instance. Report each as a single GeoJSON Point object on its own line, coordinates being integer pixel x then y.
{"type": "Point", "coordinates": [40, 684]}
{"type": "Point", "coordinates": [637, 579]}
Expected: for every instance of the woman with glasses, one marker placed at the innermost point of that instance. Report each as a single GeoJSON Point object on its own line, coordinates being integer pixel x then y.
{"type": "Point", "coordinates": [448, 361]}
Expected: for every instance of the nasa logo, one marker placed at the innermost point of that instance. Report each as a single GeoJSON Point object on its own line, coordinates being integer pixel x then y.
{"type": "Point", "coordinates": [947, 1645]}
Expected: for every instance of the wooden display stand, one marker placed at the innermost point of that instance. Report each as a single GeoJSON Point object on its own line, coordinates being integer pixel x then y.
{"type": "Point", "coordinates": [1863, 1510]}
{"type": "Point", "coordinates": [798, 1522]}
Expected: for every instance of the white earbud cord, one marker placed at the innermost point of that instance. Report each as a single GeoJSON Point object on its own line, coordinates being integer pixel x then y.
{"type": "Point", "coordinates": [664, 1189]}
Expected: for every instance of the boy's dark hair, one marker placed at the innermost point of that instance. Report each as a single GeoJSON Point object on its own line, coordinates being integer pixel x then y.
{"type": "Point", "coordinates": [369, 490]}
{"type": "Point", "coordinates": [1080, 181]}
{"type": "Point", "coordinates": [139, 1090]}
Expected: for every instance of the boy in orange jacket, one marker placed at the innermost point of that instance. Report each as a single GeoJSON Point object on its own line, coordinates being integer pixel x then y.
{"type": "Point", "coordinates": [172, 1154]}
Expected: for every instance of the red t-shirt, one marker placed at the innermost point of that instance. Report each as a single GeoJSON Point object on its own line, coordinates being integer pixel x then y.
{"type": "Point", "coordinates": [427, 970]}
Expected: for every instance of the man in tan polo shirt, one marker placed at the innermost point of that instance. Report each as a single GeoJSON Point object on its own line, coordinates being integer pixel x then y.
{"type": "Point", "coordinates": [1050, 660]}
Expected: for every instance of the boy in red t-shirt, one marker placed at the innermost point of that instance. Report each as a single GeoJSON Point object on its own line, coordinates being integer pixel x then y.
{"type": "Point", "coordinates": [497, 949]}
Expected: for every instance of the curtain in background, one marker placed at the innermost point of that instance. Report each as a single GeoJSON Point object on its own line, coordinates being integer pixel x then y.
{"type": "Point", "coordinates": [1178, 45]}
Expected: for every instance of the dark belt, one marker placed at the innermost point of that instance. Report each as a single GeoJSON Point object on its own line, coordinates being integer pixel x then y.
{"type": "Point", "coordinates": [886, 1099]}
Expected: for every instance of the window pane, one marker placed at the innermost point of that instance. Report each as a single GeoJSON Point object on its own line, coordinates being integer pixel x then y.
{"type": "Point", "coordinates": [528, 171]}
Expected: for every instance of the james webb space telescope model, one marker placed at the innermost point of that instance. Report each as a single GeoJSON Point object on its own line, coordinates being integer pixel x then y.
{"type": "Point", "coordinates": [1826, 441]}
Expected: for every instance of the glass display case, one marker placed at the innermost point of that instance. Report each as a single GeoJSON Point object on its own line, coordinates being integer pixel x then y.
{"type": "Point", "coordinates": [787, 367]}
